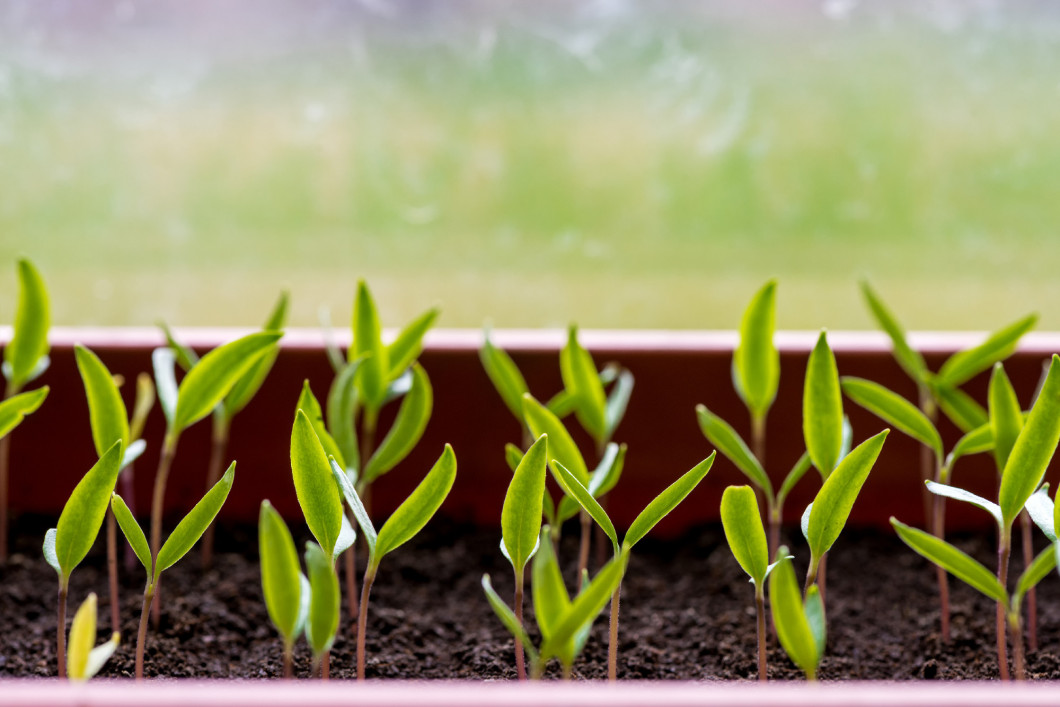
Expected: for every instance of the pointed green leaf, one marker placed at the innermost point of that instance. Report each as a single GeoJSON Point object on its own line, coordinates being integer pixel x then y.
{"type": "Point", "coordinates": [342, 414]}
{"type": "Point", "coordinates": [617, 402]}
{"type": "Point", "coordinates": [307, 403]}
{"type": "Point", "coordinates": [419, 507]}
{"type": "Point", "coordinates": [314, 484]}
{"type": "Point", "coordinates": [560, 444]}
{"type": "Point", "coordinates": [508, 618]}
{"type": "Point", "coordinates": [831, 507]}
{"type": "Point", "coordinates": [949, 558]}
{"type": "Point", "coordinates": [822, 408]}
{"type": "Point", "coordinates": [756, 361]}
{"type": "Point", "coordinates": [719, 433]}
{"type": "Point", "coordinates": [145, 400]}
{"type": "Point", "coordinates": [406, 348]}
{"type": "Point", "coordinates": [894, 410]}
{"type": "Point", "coordinates": [802, 465]}
{"type": "Point", "coordinates": [194, 524]}
{"type": "Point", "coordinates": [49, 551]}
{"type": "Point", "coordinates": [132, 531]}
{"type": "Point", "coordinates": [408, 427]}
{"type": "Point", "coordinates": [561, 404]}
{"type": "Point", "coordinates": [512, 456]}
{"type": "Point", "coordinates": [163, 360]}
{"type": "Point", "coordinates": [280, 572]}
{"type": "Point", "coordinates": [83, 513]}
{"type": "Point", "coordinates": [248, 385]}
{"type": "Point", "coordinates": [82, 639]}
{"type": "Point", "coordinates": [661, 505]}
{"type": "Point", "coordinates": [1036, 571]}
{"type": "Point", "coordinates": [29, 342]}
{"type": "Point", "coordinates": [607, 473]}
{"type": "Point", "coordinates": [372, 377]}
{"type": "Point", "coordinates": [815, 617]}
{"type": "Point", "coordinates": [324, 600]}
{"type": "Point", "coordinates": [347, 537]}
{"type": "Point", "coordinates": [106, 409]}
{"type": "Point", "coordinates": [185, 357]}
{"type": "Point", "coordinates": [551, 601]}
{"type": "Point", "coordinates": [586, 606]}
{"type": "Point", "coordinates": [959, 494]}
{"type": "Point", "coordinates": [573, 488]}
{"type": "Point", "coordinates": [911, 361]}
{"type": "Point", "coordinates": [742, 522]}
{"type": "Point", "coordinates": [965, 365]}
{"type": "Point", "coordinates": [1033, 449]}
{"type": "Point", "coordinates": [504, 375]}
{"type": "Point", "coordinates": [210, 380]}
{"type": "Point", "coordinates": [789, 617]}
{"type": "Point", "coordinates": [1006, 415]}
{"type": "Point", "coordinates": [979, 440]}
{"type": "Point", "coordinates": [521, 511]}
{"type": "Point", "coordinates": [353, 500]}
{"type": "Point", "coordinates": [1040, 508]}
{"type": "Point", "coordinates": [14, 409]}
{"type": "Point", "coordinates": [582, 381]}
{"type": "Point", "coordinates": [959, 407]}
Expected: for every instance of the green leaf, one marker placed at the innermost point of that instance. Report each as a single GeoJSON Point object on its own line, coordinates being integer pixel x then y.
{"type": "Point", "coordinates": [14, 409]}
{"type": "Point", "coordinates": [508, 618]}
{"type": "Point", "coordinates": [324, 600]}
{"type": "Point", "coordinates": [368, 343]}
{"type": "Point", "coordinates": [573, 488]}
{"type": "Point", "coordinates": [802, 465]}
{"type": "Point", "coordinates": [280, 572]}
{"type": "Point", "coordinates": [551, 601]}
{"type": "Point", "coordinates": [815, 617]}
{"type": "Point", "coordinates": [661, 505]}
{"type": "Point", "coordinates": [789, 617]}
{"type": "Point", "coordinates": [1040, 508]}
{"type": "Point", "coordinates": [1006, 415]}
{"type": "Point", "coordinates": [1034, 448]}
{"type": "Point", "coordinates": [831, 507]}
{"type": "Point", "coordinates": [49, 551]}
{"type": "Point", "coordinates": [979, 440]}
{"type": "Point", "coordinates": [307, 403]}
{"type": "Point", "coordinates": [617, 402]}
{"type": "Point", "coordinates": [911, 361]}
{"type": "Point", "coordinates": [29, 342]}
{"type": "Point", "coordinates": [419, 507]}
{"type": "Point", "coordinates": [186, 358]}
{"type": "Point", "coordinates": [560, 444]}
{"type": "Point", "coordinates": [1036, 571]}
{"type": "Point", "coordinates": [822, 408]}
{"type": "Point", "coordinates": [132, 532]}
{"type": "Point", "coordinates": [960, 407]}
{"type": "Point", "coordinates": [965, 365]}
{"type": "Point", "coordinates": [513, 456]}
{"type": "Point", "coordinates": [408, 427]}
{"type": "Point", "coordinates": [959, 494]}
{"type": "Point", "coordinates": [521, 511]}
{"type": "Point", "coordinates": [82, 639]}
{"type": "Point", "coordinates": [144, 401]}
{"type": "Point", "coordinates": [756, 361]}
{"type": "Point", "coordinates": [504, 375]}
{"type": "Point", "coordinates": [607, 473]}
{"type": "Point", "coordinates": [342, 414]}
{"type": "Point", "coordinates": [347, 537]}
{"type": "Point", "coordinates": [210, 380]}
{"type": "Point", "coordinates": [404, 349]}
{"type": "Point", "coordinates": [163, 360]}
{"type": "Point", "coordinates": [101, 654]}
{"type": "Point", "coordinates": [585, 607]}
{"type": "Point", "coordinates": [248, 385]}
{"type": "Point", "coordinates": [194, 524]}
{"type": "Point", "coordinates": [894, 410]}
{"type": "Point", "coordinates": [106, 409]}
{"type": "Point", "coordinates": [582, 381]}
{"type": "Point", "coordinates": [314, 484]}
{"type": "Point", "coordinates": [949, 558]}
{"type": "Point", "coordinates": [83, 513]}
{"type": "Point", "coordinates": [719, 433]}
{"type": "Point", "coordinates": [353, 500]}
{"type": "Point", "coordinates": [561, 404]}
{"type": "Point", "coordinates": [742, 522]}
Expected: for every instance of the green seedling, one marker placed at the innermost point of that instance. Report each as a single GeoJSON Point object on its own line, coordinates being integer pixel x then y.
{"type": "Point", "coordinates": [742, 522]}
{"type": "Point", "coordinates": [287, 591]}
{"type": "Point", "coordinates": [176, 546]}
{"type": "Point", "coordinates": [799, 622]}
{"type": "Point", "coordinates": [322, 614]}
{"type": "Point", "coordinates": [564, 623]}
{"type": "Point", "coordinates": [655, 511]}
{"type": "Point", "coordinates": [69, 541]}
{"type": "Point", "coordinates": [1025, 466]}
{"type": "Point", "coordinates": [85, 658]}
{"type": "Point", "coordinates": [238, 397]}
{"type": "Point", "coordinates": [25, 358]}
{"type": "Point", "coordinates": [402, 526]}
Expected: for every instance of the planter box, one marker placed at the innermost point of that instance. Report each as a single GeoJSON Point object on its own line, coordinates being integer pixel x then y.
{"type": "Point", "coordinates": [674, 371]}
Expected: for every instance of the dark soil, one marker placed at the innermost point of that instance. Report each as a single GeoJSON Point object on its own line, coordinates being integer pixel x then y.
{"type": "Point", "coordinates": [687, 613]}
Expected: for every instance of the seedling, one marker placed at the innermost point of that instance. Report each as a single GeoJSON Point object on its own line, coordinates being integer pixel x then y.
{"type": "Point", "coordinates": [799, 622]}
{"type": "Point", "coordinates": [648, 518]}
{"type": "Point", "coordinates": [402, 526]}
{"type": "Point", "coordinates": [322, 618]}
{"type": "Point", "coordinates": [287, 591]}
{"type": "Point", "coordinates": [176, 546]}
{"type": "Point", "coordinates": [564, 624]}
{"type": "Point", "coordinates": [237, 398]}
{"type": "Point", "coordinates": [25, 358]}
{"type": "Point", "coordinates": [69, 541]}
{"type": "Point", "coordinates": [85, 658]}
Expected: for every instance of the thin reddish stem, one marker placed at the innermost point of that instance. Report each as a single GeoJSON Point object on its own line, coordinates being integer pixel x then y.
{"type": "Point", "coordinates": [520, 660]}
{"type": "Point", "coordinates": [760, 617]}
{"type": "Point", "coordinates": [1002, 576]}
{"type": "Point", "coordinates": [112, 571]}
{"type": "Point", "coordinates": [612, 636]}
{"type": "Point", "coordinates": [60, 629]}
{"type": "Point", "coordinates": [165, 461]}
{"type": "Point", "coordinates": [1032, 594]}
{"type": "Point", "coordinates": [938, 529]}
{"type": "Point", "coordinates": [350, 574]}
{"type": "Point", "coordinates": [583, 549]}
{"type": "Point", "coordinates": [218, 447]}
{"type": "Point", "coordinates": [141, 634]}
{"type": "Point", "coordinates": [1018, 658]}
{"type": "Point", "coordinates": [362, 619]}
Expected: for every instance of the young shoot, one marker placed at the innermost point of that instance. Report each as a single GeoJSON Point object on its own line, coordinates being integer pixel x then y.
{"type": "Point", "coordinates": [287, 591]}
{"type": "Point", "coordinates": [25, 358]}
{"type": "Point", "coordinates": [402, 526]}
{"type": "Point", "coordinates": [564, 623]}
{"type": "Point", "coordinates": [176, 546]}
{"type": "Point", "coordinates": [799, 622]}
{"type": "Point", "coordinates": [69, 541]}
{"type": "Point", "coordinates": [85, 658]}
{"type": "Point", "coordinates": [655, 511]}
{"type": "Point", "coordinates": [322, 613]}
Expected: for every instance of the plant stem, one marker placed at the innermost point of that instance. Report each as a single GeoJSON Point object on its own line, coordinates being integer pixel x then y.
{"type": "Point", "coordinates": [928, 465]}
{"type": "Point", "coordinates": [822, 575]}
{"type": "Point", "coordinates": [169, 450]}
{"type": "Point", "coordinates": [325, 665]}
{"type": "Point", "coordinates": [811, 571]}
{"type": "Point", "coordinates": [1002, 576]}
{"type": "Point", "coordinates": [141, 634]}
{"type": "Point", "coordinates": [218, 447]}
{"type": "Point", "coordinates": [112, 571]}
{"type": "Point", "coordinates": [583, 549]}
{"type": "Point", "coordinates": [938, 529]}
{"type": "Point", "coordinates": [520, 661]}
{"type": "Point", "coordinates": [288, 660]}
{"type": "Point", "coordinates": [5, 454]}
{"type": "Point", "coordinates": [1019, 660]}
{"type": "Point", "coordinates": [128, 494]}
{"type": "Point", "coordinates": [1032, 595]}
{"type": "Point", "coordinates": [350, 566]}
{"type": "Point", "coordinates": [612, 637]}
{"type": "Point", "coordinates": [758, 439]}
{"type": "Point", "coordinates": [362, 619]}
{"type": "Point", "coordinates": [567, 669]}
{"type": "Point", "coordinates": [760, 617]}
{"type": "Point", "coordinates": [60, 628]}
{"type": "Point", "coordinates": [774, 527]}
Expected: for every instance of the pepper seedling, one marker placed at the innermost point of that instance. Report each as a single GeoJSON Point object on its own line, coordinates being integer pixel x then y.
{"type": "Point", "coordinates": [655, 511]}
{"type": "Point", "coordinates": [564, 623]}
{"type": "Point", "coordinates": [322, 615]}
{"type": "Point", "coordinates": [176, 546]}
{"type": "Point", "coordinates": [799, 622]}
{"type": "Point", "coordinates": [287, 591]}
{"type": "Point", "coordinates": [85, 658]}
{"type": "Point", "coordinates": [69, 541]}
{"type": "Point", "coordinates": [25, 359]}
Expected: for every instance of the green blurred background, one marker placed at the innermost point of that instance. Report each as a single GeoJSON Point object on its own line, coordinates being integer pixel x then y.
{"type": "Point", "coordinates": [621, 164]}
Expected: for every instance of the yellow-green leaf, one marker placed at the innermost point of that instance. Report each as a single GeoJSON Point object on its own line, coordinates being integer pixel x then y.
{"type": "Point", "coordinates": [789, 617]}
{"type": "Point", "coordinates": [582, 381]}
{"type": "Point", "coordinates": [106, 409]}
{"type": "Point", "coordinates": [194, 524]}
{"type": "Point", "coordinates": [248, 385]}
{"type": "Point", "coordinates": [14, 409]}
{"type": "Point", "coordinates": [408, 344]}
{"type": "Point", "coordinates": [314, 484]}
{"type": "Point", "coordinates": [742, 522]}
{"type": "Point", "coordinates": [719, 433]}
{"type": "Point", "coordinates": [666, 501]}
{"type": "Point", "coordinates": [965, 365]}
{"type": "Point", "coordinates": [82, 516]}
{"type": "Point", "coordinates": [134, 534]}
{"type": "Point", "coordinates": [29, 342]}
{"type": "Point", "coordinates": [521, 510]}
{"type": "Point", "coordinates": [573, 488]}
{"type": "Point", "coordinates": [505, 375]}
{"type": "Point", "coordinates": [910, 360]}
{"type": "Point", "coordinates": [756, 361]}
{"type": "Point", "coordinates": [949, 558]}
{"type": "Point", "coordinates": [324, 600]}
{"type": "Point", "coordinates": [822, 408]}
{"type": "Point", "coordinates": [408, 427]}
{"type": "Point", "coordinates": [560, 444]}
{"type": "Point", "coordinates": [894, 410]}
{"type": "Point", "coordinates": [419, 507]}
{"type": "Point", "coordinates": [280, 572]}
{"type": "Point", "coordinates": [1006, 415]}
{"type": "Point", "coordinates": [372, 376]}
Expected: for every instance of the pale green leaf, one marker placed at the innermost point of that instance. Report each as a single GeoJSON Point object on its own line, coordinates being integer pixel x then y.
{"type": "Point", "coordinates": [185, 357]}
{"type": "Point", "coordinates": [965, 365]}
{"type": "Point", "coordinates": [408, 344]}
{"type": "Point", "coordinates": [347, 537]}
{"type": "Point", "coordinates": [504, 375]}
{"type": "Point", "coordinates": [512, 456]}
{"type": "Point", "coordinates": [607, 473]}
{"type": "Point", "coordinates": [132, 531]}
{"type": "Point", "coordinates": [508, 618]}
{"type": "Point", "coordinates": [419, 507]}
{"type": "Point", "coordinates": [106, 409]}
{"type": "Point", "coordinates": [789, 617]}
{"type": "Point", "coordinates": [561, 404]}
{"type": "Point", "coordinates": [49, 551]}
{"type": "Point", "coordinates": [324, 601]}
{"type": "Point", "coordinates": [133, 452]}
{"type": "Point", "coordinates": [719, 433]}
{"type": "Point", "coordinates": [756, 361]}
{"type": "Point", "coordinates": [959, 407]}
{"type": "Point", "coordinates": [979, 440]}
{"type": "Point", "coordinates": [314, 484]}
{"type": "Point", "coordinates": [661, 505]}
{"type": "Point", "coordinates": [408, 427]}
{"type": "Point", "coordinates": [1040, 508]}
{"type": "Point", "coordinates": [82, 516]}
{"type": "Point", "coordinates": [144, 401]}
{"type": "Point", "coordinates": [372, 377]}
{"type": "Point", "coordinates": [163, 360]}
{"type": "Point", "coordinates": [194, 524]}
{"type": "Point", "coordinates": [353, 500]}
{"type": "Point", "coordinates": [742, 522]}
{"type": "Point", "coordinates": [342, 415]}
{"type": "Point", "coordinates": [1006, 415]}
{"type": "Point", "coordinates": [560, 444]}
{"type": "Point", "coordinates": [617, 402]}
{"type": "Point", "coordinates": [573, 488]}
{"type": "Point", "coordinates": [551, 601]}
{"type": "Point", "coordinates": [29, 342]}
{"type": "Point", "coordinates": [585, 607]}
{"type": "Point", "coordinates": [959, 494]}
{"type": "Point", "coordinates": [1036, 571]}
{"type": "Point", "coordinates": [82, 639]}
{"type": "Point", "coordinates": [802, 465]}
{"type": "Point", "coordinates": [280, 571]}
{"type": "Point", "coordinates": [582, 381]}
{"type": "Point", "coordinates": [248, 385]}
{"type": "Point", "coordinates": [894, 410]}
{"type": "Point", "coordinates": [910, 360]}
{"type": "Point", "coordinates": [521, 511]}
{"type": "Point", "coordinates": [308, 403]}
{"type": "Point", "coordinates": [822, 408]}
{"type": "Point", "coordinates": [949, 558]}
{"type": "Point", "coordinates": [99, 655]}
{"type": "Point", "coordinates": [14, 409]}
{"type": "Point", "coordinates": [815, 617]}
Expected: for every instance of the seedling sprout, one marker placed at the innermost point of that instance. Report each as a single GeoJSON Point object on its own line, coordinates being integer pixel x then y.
{"type": "Point", "coordinates": [287, 591]}
{"type": "Point", "coordinates": [85, 658]}
{"type": "Point", "coordinates": [799, 622]}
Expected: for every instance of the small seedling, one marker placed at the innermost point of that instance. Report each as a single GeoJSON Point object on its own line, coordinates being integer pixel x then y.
{"type": "Point", "coordinates": [800, 623]}
{"type": "Point", "coordinates": [176, 546]}
{"type": "Point", "coordinates": [69, 541]}
{"type": "Point", "coordinates": [85, 658]}
{"type": "Point", "coordinates": [655, 511]}
{"type": "Point", "coordinates": [287, 591]}
{"type": "Point", "coordinates": [564, 624]}
{"type": "Point", "coordinates": [402, 526]}
{"type": "Point", "coordinates": [322, 616]}
{"type": "Point", "coordinates": [25, 358]}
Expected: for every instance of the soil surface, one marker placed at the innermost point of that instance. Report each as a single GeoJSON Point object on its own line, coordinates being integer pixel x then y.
{"type": "Point", "coordinates": [687, 613]}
